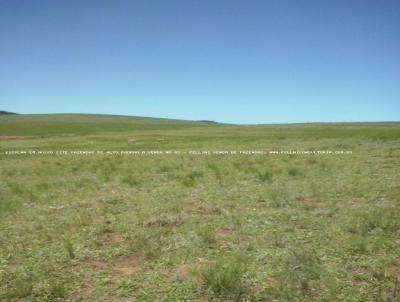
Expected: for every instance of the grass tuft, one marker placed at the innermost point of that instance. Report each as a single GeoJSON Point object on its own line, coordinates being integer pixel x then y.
{"type": "Point", "coordinates": [384, 219]}
{"type": "Point", "coordinates": [295, 171]}
{"type": "Point", "coordinates": [23, 287]}
{"type": "Point", "coordinates": [265, 176]}
{"type": "Point", "coordinates": [225, 275]}
{"type": "Point", "coordinates": [207, 235]}
{"type": "Point", "coordinates": [304, 275]}
{"type": "Point", "coordinates": [69, 247]}
{"type": "Point", "coordinates": [190, 179]}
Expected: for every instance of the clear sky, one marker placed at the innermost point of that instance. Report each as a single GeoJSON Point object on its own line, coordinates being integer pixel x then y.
{"type": "Point", "coordinates": [226, 60]}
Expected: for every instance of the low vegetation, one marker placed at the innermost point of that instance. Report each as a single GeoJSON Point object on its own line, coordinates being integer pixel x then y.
{"type": "Point", "coordinates": [198, 227]}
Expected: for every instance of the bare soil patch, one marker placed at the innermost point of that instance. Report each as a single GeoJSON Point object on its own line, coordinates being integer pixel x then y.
{"type": "Point", "coordinates": [181, 273]}
{"type": "Point", "coordinates": [125, 265]}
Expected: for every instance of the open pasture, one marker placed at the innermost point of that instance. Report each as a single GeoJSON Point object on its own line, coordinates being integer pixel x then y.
{"type": "Point", "coordinates": [198, 227]}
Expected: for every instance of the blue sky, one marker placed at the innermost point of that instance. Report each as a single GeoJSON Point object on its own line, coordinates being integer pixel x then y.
{"type": "Point", "coordinates": [226, 60]}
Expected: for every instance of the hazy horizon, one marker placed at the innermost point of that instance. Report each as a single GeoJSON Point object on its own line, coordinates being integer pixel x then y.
{"type": "Point", "coordinates": [199, 120]}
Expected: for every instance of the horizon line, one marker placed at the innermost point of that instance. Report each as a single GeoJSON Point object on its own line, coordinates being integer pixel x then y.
{"type": "Point", "coordinates": [208, 120]}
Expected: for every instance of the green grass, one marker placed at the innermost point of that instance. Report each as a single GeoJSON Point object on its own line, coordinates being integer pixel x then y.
{"type": "Point", "coordinates": [198, 227]}
{"type": "Point", "coordinates": [224, 277]}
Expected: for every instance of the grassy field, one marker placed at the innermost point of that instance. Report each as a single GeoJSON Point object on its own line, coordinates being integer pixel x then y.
{"type": "Point", "coordinates": [198, 227]}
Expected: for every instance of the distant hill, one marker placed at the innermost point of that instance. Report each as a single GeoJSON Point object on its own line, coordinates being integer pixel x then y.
{"type": "Point", "coordinates": [7, 113]}
{"type": "Point", "coordinates": [85, 124]}
{"type": "Point", "coordinates": [207, 122]}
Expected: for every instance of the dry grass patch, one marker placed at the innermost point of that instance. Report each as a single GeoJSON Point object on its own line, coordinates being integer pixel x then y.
{"type": "Point", "coordinates": [122, 265]}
